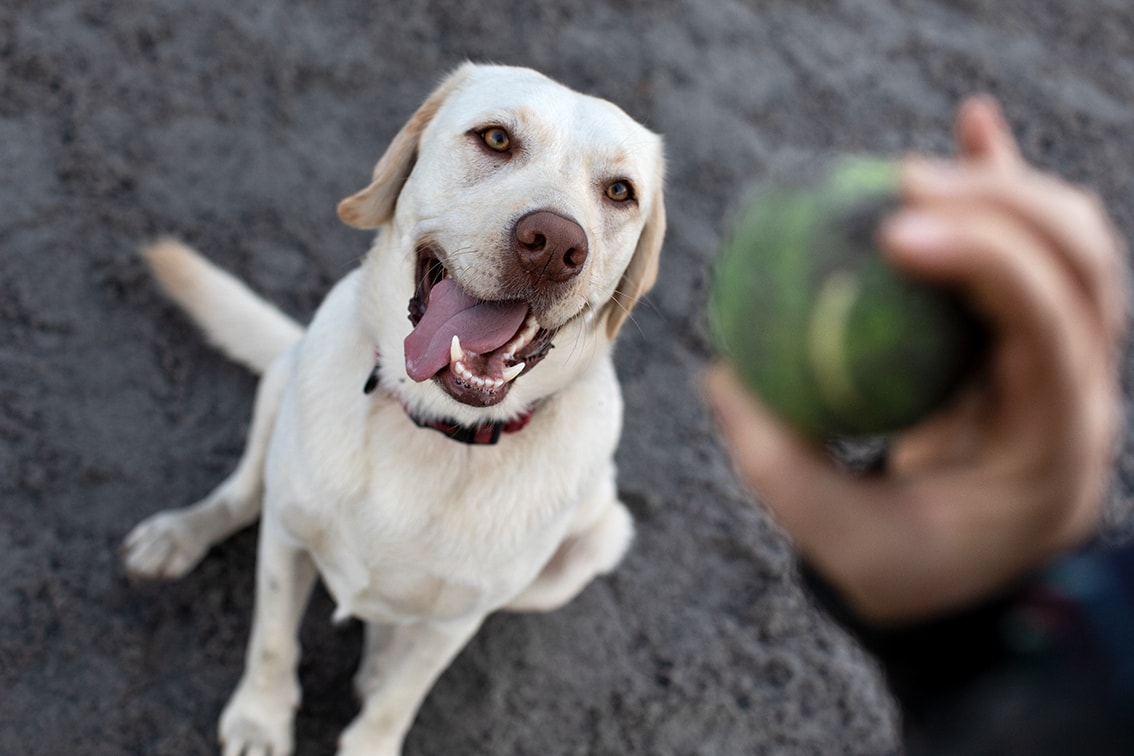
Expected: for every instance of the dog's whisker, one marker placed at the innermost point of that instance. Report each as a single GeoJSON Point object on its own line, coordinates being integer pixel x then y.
{"type": "Point", "coordinates": [628, 311]}
{"type": "Point", "coordinates": [579, 345]}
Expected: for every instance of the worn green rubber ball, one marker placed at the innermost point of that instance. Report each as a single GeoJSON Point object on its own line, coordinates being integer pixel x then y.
{"type": "Point", "coordinates": [818, 324]}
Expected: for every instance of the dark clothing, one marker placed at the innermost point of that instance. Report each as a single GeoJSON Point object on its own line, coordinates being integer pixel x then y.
{"type": "Point", "coordinates": [1046, 668]}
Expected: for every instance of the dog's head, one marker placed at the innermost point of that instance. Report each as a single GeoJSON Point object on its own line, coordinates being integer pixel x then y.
{"type": "Point", "coordinates": [529, 215]}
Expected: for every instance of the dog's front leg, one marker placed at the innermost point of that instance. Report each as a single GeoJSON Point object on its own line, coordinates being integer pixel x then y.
{"type": "Point", "coordinates": [596, 543]}
{"type": "Point", "coordinates": [170, 543]}
{"type": "Point", "coordinates": [258, 717]}
{"type": "Point", "coordinates": [396, 676]}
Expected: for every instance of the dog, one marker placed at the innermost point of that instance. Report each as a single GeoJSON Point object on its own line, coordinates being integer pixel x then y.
{"type": "Point", "coordinates": [435, 468]}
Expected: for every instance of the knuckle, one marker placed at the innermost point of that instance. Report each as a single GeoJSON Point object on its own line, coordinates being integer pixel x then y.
{"type": "Point", "coordinates": [1085, 206]}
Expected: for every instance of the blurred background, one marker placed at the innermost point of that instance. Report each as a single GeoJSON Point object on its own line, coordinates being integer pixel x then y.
{"type": "Point", "coordinates": [238, 125]}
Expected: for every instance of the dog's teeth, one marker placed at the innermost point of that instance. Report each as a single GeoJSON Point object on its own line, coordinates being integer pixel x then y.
{"type": "Point", "coordinates": [457, 364]}
{"type": "Point", "coordinates": [526, 334]}
{"type": "Point", "coordinates": [509, 373]}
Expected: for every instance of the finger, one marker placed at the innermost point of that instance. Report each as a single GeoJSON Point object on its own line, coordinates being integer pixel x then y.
{"type": "Point", "coordinates": [1036, 315]}
{"type": "Point", "coordinates": [983, 134]}
{"type": "Point", "coordinates": [1071, 220]}
{"type": "Point", "coordinates": [1051, 405]}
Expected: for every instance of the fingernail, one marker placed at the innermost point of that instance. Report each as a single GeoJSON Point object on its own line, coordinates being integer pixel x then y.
{"type": "Point", "coordinates": [917, 229]}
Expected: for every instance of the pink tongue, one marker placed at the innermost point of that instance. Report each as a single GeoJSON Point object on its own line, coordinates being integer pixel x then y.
{"type": "Point", "coordinates": [482, 327]}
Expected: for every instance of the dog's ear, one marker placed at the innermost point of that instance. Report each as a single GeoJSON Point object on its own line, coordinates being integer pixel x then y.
{"type": "Point", "coordinates": [374, 205]}
{"type": "Point", "coordinates": [642, 271]}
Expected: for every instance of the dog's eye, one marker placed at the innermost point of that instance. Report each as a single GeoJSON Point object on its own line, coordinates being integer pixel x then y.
{"type": "Point", "coordinates": [496, 139]}
{"type": "Point", "coordinates": [620, 191]}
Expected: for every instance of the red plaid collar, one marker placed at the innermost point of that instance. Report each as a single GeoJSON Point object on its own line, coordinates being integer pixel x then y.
{"type": "Point", "coordinates": [485, 433]}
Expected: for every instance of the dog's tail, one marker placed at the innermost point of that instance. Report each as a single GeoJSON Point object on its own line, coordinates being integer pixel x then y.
{"type": "Point", "coordinates": [237, 321]}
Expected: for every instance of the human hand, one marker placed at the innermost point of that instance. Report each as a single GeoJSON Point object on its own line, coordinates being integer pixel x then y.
{"type": "Point", "coordinates": [1015, 470]}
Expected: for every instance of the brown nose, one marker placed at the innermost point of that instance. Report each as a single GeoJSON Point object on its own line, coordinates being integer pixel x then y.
{"type": "Point", "coordinates": [550, 247]}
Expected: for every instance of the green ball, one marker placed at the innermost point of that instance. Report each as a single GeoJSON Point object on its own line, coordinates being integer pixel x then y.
{"type": "Point", "coordinates": [818, 324]}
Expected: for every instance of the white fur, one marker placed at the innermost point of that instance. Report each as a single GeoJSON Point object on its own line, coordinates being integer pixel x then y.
{"type": "Point", "coordinates": [418, 535]}
{"type": "Point", "coordinates": [240, 324]}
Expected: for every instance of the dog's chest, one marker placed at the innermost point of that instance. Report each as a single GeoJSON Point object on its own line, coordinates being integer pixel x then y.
{"type": "Point", "coordinates": [431, 528]}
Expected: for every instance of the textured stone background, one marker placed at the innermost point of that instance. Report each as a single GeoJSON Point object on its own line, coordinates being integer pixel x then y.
{"type": "Point", "coordinates": [238, 125]}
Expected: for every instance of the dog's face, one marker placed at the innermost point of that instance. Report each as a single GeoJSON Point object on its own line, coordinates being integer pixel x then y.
{"type": "Point", "coordinates": [527, 210]}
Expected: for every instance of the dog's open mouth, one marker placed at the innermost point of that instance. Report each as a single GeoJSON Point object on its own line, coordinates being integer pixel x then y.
{"type": "Point", "coordinates": [474, 348]}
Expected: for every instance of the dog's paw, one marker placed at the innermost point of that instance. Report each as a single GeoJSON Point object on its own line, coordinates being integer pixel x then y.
{"type": "Point", "coordinates": [162, 547]}
{"type": "Point", "coordinates": [366, 738]}
{"type": "Point", "coordinates": [257, 724]}
{"type": "Point", "coordinates": [249, 739]}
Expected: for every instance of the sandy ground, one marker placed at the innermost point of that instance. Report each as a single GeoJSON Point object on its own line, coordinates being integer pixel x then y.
{"type": "Point", "coordinates": [238, 125]}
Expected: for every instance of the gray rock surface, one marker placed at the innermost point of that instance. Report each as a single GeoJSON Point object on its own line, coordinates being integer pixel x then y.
{"type": "Point", "coordinates": [238, 125]}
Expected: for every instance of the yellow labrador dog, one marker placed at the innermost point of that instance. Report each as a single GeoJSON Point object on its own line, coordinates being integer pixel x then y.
{"type": "Point", "coordinates": [437, 467]}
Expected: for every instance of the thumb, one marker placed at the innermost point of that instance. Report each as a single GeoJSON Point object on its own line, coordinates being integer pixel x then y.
{"type": "Point", "coordinates": [826, 510]}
